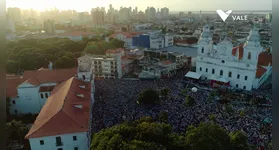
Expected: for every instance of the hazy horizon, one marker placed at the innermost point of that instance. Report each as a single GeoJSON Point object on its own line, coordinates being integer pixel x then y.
{"type": "Point", "coordinates": [174, 5]}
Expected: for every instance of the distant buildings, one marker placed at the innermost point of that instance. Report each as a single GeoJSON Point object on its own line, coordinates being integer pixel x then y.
{"type": "Point", "coordinates": [98, 17]}
{"type": "Point", "coordinates": [10, 24]}
{"type": "Point", "coordinates": [49, 26]}
{"type": "Point", "coordinates": [15, 14]}
{"type": "Point", "coordinates": [164, 13]}
{"type": "Point", "coordinates": [153, 40]}
{"type": "Point", "coordinates": [125, 37]}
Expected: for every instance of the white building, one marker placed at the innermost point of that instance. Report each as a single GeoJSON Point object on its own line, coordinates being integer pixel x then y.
{"type": "Point", "coordinates": [126, 37]}
{"type": "Point", "coordinates": [29, 92]}
{"type": "Point", "coordinates": [159, 40]}
{"type": "Point", "coordinates": [246, 66]}
{"type": "Point", "coordinates": [101, 66]}
{"type": "Point", "coordinates": [64, 123]}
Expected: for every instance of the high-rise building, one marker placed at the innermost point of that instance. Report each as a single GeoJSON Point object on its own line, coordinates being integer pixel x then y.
{"type": "Point", "coordinates": [10, 24]}
{"type": "Point", "coordinates": [81, 18]}
{"type": "Point", "coordinates": [15, 14]}
{"type": "Point", "coordinates": [49, 27]}
{"type": "Point", "coordinates": [98, 17]}
{"type": "Point", "coordinates": [150, 13]}
{"type": "Point", "coordinates": [164, 13]}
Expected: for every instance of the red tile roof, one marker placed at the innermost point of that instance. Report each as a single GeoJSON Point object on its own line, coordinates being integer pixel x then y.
{"type": "Point", "coordinates": [114, 51]}
{"type": "Point", "coordinates": [11, 84]}
{"type": "Point", "coordinates": [37, 76]}
{"type": "Point", "coordinates": [187, 41]}
{"type": "Point", "coordinates": [166, 62]}
{"type": "Point", "coordinates": [33, 81]}
{"type": "Point", "coordinates": [265, 59]}
{"type": "Point", "coordinates": [260, 71]}
{"type": "Point", "coordinates": [239, 49]}
{"type": "Point", "coordinates": [77, 33]}
{"type": "Point", "coordinates": [126, 34]}
{"type": "Point", "coordinates": [59, 116]}
{"type": "Point", "coordinates": [51, 76]}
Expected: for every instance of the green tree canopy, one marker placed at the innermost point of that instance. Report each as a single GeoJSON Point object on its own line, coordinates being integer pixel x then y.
{"type": "Point", "coordinates": [148, 96]}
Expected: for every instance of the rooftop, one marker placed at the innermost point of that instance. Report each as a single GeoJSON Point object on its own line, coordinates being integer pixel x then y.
{"type": "Point", "coordinates": [59, 114]}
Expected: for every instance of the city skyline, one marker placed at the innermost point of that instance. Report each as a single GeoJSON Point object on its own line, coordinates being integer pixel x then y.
{"type": "Point", "coordinates": [86, 5]}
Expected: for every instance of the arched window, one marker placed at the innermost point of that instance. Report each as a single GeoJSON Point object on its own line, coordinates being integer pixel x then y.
{"type": "Point", "coordinates": [202, 50]}
{"type": "Point", "coordinates": [213, 71]}
{"type": "Point", "coordinates": [83, 77]}
{"type": "Point", "coordinates": [42, 95]}
{"type": "Point", "coordinates": [249, 55]}
{"type": "Point", "coordinates": [221, 72]}
{"type": "Point", "coordinates": [46, 95]}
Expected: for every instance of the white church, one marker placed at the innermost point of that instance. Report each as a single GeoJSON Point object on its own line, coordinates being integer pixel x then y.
{"type": "Point", "coordinates": [246, 66]}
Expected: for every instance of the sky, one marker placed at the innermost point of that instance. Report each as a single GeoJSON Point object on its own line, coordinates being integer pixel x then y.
{"type": "Point", "coordinates": [173, 5]}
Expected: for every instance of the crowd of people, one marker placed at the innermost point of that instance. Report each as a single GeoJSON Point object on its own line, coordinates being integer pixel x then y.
{"type": "Point", "coordinates": [115, 102]}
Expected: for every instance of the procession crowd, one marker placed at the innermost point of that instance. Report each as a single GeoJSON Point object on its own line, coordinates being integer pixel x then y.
{"type": "Point", "coordinates": [115, 102]}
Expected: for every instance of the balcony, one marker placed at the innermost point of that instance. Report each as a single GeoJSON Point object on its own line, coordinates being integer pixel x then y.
{"type": "Point", "coordinates": [59, 143]}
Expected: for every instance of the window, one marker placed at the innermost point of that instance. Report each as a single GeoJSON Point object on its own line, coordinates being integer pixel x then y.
{"type": "Point", "coordinates": [206, 70]}
{"type": "Point", "coordinates": [213, 71]}
{"type": "Point", "coordinates": [230, 74]}
{"type": "Point", "coordinates": [15, 111]}
{"type": "Point", "coordinates": [60, 149]}
{"type": "Point", "coordinates": [236, 85]}
{"type": "Point", "coordinates": [76, 148]}
{"type": "Point", "coordinates": [200, 68]}
{"type": "Point", "coordinates": [42, 95]}
{"type": "Point", "coordinates": [238, 76]}
{"type": "Point", "coordinates": [223, 61]}
{"type": "Point", "coordinates": [202, 50]}
{"type": "Point", "coordinates": [42, 142]}
{"type": "Point", "coordinates": [245, 78]}
{"type": "Point", "coordinates": [249, 55]}
{"type": "Point", "coordinates": [221, 72]}
{"type": "Point", "coordinates": [244, 87]}
{"type": "Point", "coordinates": [74, 138]}
{"type": "Point", "coordinates": [58, 141]}
{"type": "Point", "coordinates": [46, 95]}
{"type": "Point", "coordinates": [205, 78]}
{"type": "Point", "coordinates": [13, 102]}
{"type": "Point", "coordinates": [83, 77]}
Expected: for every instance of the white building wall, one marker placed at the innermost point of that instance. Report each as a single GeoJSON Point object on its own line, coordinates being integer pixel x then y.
{"type": "Point", "coordinates": [28, 99]}
{"type": "Point", "coordinates": [67, 140]}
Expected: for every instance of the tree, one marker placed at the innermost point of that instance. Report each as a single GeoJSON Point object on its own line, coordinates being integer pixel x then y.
{"type": "Point", "coordinates": [148, 96]}
{"type": "Point", "coordinates": [65, 62]}
{"type": "Point", "coordinates": [212, 117]}
{"type": "Point", "coordinates": [163, 117]}
{"type": "Point", "coordinates": [139, 135]}
{"type": "Point", "coordinates": [207, 136]}
{"type": "Point", "coordinates": [189, 101]}
{"type": "Point", "coordinates": [12, 66]}
{"type": "Point", "coordinates": [239, 141]}
{"type": "Point", "coordinates": [17, 130]}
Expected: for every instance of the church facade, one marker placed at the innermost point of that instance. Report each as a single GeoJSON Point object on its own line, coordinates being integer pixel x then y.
{"type": "Point", "coordinates": [246, 66]}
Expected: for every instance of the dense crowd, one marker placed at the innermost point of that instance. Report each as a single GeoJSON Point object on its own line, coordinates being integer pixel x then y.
{"type": "Point", "coordinates": [115, 102]}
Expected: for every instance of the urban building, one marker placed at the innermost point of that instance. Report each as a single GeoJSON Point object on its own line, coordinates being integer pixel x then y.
{"type": "Point", "coordinates": [245, 66]}
{"type": "Point", "coordinates": [153, 40]}
{"type": "Point", "coordinates": [98, 17]}
{"type": "Point", "coordinates": [14, 14]}
{"type": "Point", "coordinates": [126, 37]}
{"type": "Point", "coordinates": [49, 26]}
{"type": "Point", "coordinates": [10, 24]}
{"type": "Point", "coordinates": [164, 13]}
{"type": "Point", "coordinates": [28, 93]}
{"type": "Point", "coordinates": [65, 120]}
{"type": "Point", "coordinates": [101, 66]}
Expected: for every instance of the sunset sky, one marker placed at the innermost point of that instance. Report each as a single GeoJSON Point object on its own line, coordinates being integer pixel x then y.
{"type": "Point", "coordinates": [173, 5]}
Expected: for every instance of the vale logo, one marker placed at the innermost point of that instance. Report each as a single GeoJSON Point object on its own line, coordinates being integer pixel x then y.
{"type": "Point", "coordinates": [225, 15]}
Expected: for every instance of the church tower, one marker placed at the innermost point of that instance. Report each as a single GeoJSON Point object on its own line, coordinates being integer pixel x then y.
{"type": "Point", "coordinates": [204, 41]}
{"type": "Point", "coordinates": [252, 47]}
